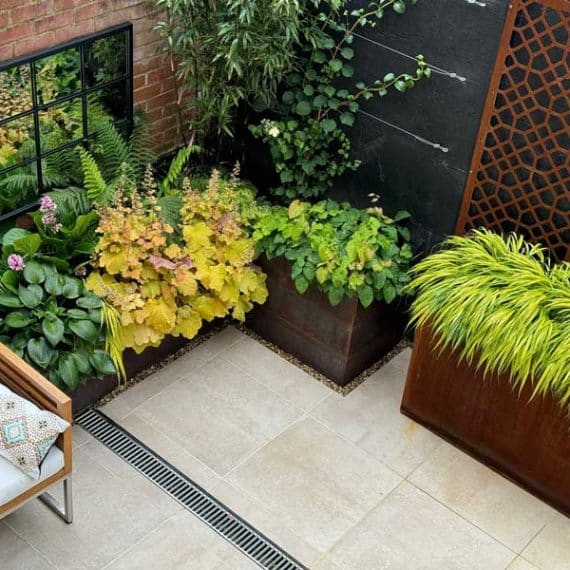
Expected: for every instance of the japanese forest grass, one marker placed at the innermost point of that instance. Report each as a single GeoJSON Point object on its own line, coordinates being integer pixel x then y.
{"type": "Point", "coordinates": [500, 303]}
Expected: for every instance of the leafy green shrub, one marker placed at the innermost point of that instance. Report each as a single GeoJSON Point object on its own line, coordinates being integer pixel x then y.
{"type": "Point", "coordinates": [228, 52]}
{"type": "Point", "coordinates": [308, 142]}
{"type": "Point", "coordinates": [344, 251]}
{"type": "Point", "coordinates": [501, 304]}
{"type": "Point", "coordinates": [53, 322]}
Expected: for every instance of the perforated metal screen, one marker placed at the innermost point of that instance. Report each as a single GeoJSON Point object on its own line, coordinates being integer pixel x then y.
{"type": "Point", "coordinates": [520, 172]}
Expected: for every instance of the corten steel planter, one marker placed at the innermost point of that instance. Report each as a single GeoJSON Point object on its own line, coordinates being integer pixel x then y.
{"type": "Point", "coordinates": [340, 342]}
{"type": "Point", "coordinates": [96, 388]}
{"type": "Point", "coordinates": [527, 441]}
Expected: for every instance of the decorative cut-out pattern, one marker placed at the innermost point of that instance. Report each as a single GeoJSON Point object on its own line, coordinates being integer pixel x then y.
{"type": "Point", "coordinates": [520, 173]}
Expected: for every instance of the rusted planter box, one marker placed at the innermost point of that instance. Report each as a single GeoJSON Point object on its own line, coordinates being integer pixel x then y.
{"type": "Point", "coordinates": [340, 342]}
{"type": "Point", "coordinates": [96, 388]}
{"type": "Point", "coordinates": [528, 442]}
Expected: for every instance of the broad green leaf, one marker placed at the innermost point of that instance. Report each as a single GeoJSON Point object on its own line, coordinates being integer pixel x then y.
{"type": "Point", "coordinates": [53, 329]}
{"type": "Point", "coordinates": [67, 369]}
{"type": "Point", "coordinates": [85, 330]}
{"type": "Point", "coordinates": [31, 296]}
{"type": "Point", "coordinates": [10, 301]}
{"type": "Point", "coordinates": [347, 119]}
{"type": "Point", "coordinates": [366, 295]}
{"type": "Point", "coordinates": [12, 235]}
{"type": "Point", "coordinates": [89, 301]}
{"type": "Point", "coordinates": [101, 361]}
{"type": "Point", "coordinates": [347, 53]}
{"type": "Point", "coordinates": [34, 272]}
{"type": "Point", "coordinates": [301, 284]}
{"type": "Point", "coordinates": [17, 320]}
{"type": "Point", "coordinates": [303, 108]}
{"type": "Point", "coordinates": [40, 351]}
{"type": "Point", "coordinates": [389, 292]}
{"type": "Point", "coordinates": [72, 287]}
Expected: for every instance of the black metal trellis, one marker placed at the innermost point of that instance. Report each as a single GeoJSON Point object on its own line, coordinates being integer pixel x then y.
{"type": "Point", "coordinates": [81, 44]}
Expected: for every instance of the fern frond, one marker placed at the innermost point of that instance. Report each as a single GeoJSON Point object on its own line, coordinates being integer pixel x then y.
{"type": "Point", "coordinates": [140, 147]}
{"type": "Point", "coordinates": [176, 167]}
{"type": "Point", "coordinates": [170, 208]}
{"type": "Point", "coordinates": [111, 150]}
{"type": "Point", "coordinates": [97, 189]}
{"type": "Point", "coordinates": [71, 201]}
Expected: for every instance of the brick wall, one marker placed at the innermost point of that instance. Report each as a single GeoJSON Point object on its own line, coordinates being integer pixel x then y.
{"type": "Point", "coordinates": [30, 25]}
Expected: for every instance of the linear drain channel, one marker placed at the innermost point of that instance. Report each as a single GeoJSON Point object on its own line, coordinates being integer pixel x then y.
{"type": "Point", "coordinates": [216, 515]}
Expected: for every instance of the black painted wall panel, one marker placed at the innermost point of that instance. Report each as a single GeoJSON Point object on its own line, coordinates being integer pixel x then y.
{"type": "Point", "coordinates": [457, 37]}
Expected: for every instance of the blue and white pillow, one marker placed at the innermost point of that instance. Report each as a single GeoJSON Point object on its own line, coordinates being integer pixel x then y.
{"type": "Point", "coordinates": [26, 432]}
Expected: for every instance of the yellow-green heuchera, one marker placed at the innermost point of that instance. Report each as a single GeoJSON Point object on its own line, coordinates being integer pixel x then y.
{"type": "Point", "coordinates": [502, 305]}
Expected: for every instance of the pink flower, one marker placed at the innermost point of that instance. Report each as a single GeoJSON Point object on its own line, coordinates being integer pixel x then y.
{"type": "Point", "coordinates": [47, 205]}
{"type": "Point", "coordinates": [160, 262]}
{"type": "Point", "coordinates": [16, 262]}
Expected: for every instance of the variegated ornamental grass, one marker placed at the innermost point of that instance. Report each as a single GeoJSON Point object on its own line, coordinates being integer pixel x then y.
{"type": "Point", "coordinates": [502, 305]}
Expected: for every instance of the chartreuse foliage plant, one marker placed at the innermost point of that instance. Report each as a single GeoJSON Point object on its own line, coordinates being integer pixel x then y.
{"type": "Point", "coordinates": [52, 321]}
{"type": "Point", "coordinates": [500, 303]}
{"type": "Point", "coordinates": [308, 141]}
{"type": "Point", "coordinates": [163, 282]}
{"type": "Point", "coordinates": [344, 251]}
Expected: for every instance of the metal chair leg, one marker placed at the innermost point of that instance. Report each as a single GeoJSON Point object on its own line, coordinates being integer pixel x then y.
{"type": "Point", "coordinates": [66, 511]}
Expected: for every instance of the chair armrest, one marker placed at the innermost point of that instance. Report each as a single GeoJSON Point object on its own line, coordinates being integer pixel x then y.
{"type": "Point", "coordinates": [20, 377]}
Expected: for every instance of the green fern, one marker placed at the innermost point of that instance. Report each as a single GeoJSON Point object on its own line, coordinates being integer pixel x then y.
{"type": "Point", "coordinates": [170, 207]}
{"type": "Point", "coordinates": [97, 188]}
{"type": "Point", "coordinates": [501, 305]}
{"type": "Point", "coordinates": [71, 201]}
{"type": "Point", "coordinates": [176, 167]}
{"type": "Point", "coordinates": [109, 150]}
{"type": "Point", "coordinates": [140, 147]}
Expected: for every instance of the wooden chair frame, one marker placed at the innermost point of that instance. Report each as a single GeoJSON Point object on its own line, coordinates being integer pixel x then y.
{"type": "Point", "coordinates": [21, 378]}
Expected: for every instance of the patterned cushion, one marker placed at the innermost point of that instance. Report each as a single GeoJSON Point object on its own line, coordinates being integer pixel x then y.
{"type": "Point", "coordinates": [26, 432]}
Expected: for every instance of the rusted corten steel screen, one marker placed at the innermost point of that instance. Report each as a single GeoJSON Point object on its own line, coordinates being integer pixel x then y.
{"type": "Point", "coordinates": [520, 172]}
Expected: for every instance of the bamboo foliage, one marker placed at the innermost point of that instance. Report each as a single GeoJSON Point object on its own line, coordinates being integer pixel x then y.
{"type": "Point", "coordinates": [500, 303]}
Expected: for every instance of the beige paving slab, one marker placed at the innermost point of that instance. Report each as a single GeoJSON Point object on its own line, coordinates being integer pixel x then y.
{"type": "Point", "coordinates": [480, 495]}
{"type": "Point", "coordinates": [318, 483]}
{"type": "Point", "coordinates": [521, 564]}
{"type": "Point", "coordinates": [112, 513]}
{"type": "Point", "coordinates": [182, 367]}
{"type": "Point", "coordinates": [233, 559]}
{"type": "Point", "coordinates": [276, 373]}
{"type": "Point", "coordinates": [17, 554]}
{"type": "Point", "coordinates": [220, 416]}
{"type": "Point", "coordinates": [410, 530]}
{"type": "Point", "coordinates": [169, 547]}
{"type": "Point", "coordinates": [268, 522]}
{"type": "Point", "coordinates": [550, 549]}
{"type": "Point", "coordinates": [170, 451]}
{"type": "Point", "coordinates": [370, 417]}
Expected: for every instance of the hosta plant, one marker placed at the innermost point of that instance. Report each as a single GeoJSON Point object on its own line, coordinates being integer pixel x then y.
{"type": "Point", "coordinates": [53, 322]}
{"type": "Point", "coordinates": [344, 251]}
{"type": "Point", "coordinates": [502, 305]}
{"type": "Point", "coordinates": [163, 282]}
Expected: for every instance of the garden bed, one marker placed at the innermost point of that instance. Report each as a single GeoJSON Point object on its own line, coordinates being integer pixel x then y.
{"type": "Point", "coordinates": [527, 441]}
{"type": "Point", "coordinates": [339, 342]}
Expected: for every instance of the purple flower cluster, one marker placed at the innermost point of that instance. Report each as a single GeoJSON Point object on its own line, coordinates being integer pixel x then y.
{"type": "Point", "coordinates": [49, 219]}
{"type": "Point", "coordinates": [16, 262]}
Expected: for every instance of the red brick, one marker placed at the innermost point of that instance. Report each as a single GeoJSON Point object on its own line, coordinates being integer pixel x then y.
{"type": "Point", "coordinates": [6, 52]}
{"type": "Point", "coordinates": [139, 81]}
{"type": "Point", "coordinates": [29, 12]}
{"type": "Point", "coordinates": [34, 43]}
{"type": "Point", "coordinates": [56, 22]}
{"type": "Point", "coordinates": [90, 11]}
{"type": "Point", "coordinates": [60, 5]}
{"type": "Point", "coordinates": [18, 32]}
{"type": "Point", "coordinates": [74, 31]}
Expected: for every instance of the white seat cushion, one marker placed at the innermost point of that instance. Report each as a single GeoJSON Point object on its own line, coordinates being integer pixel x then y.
{"type": "Point", "coordinates": [14, 482]}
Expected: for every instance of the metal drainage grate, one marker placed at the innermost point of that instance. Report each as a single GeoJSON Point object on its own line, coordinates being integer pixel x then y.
{"type": "Point", "coordinates": [212, 512]}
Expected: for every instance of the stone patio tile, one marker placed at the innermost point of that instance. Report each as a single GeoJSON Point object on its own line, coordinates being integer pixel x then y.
{"type": "Point", "coordinates": [489, 501]}
{"type": "Point", "coordinates": [112, 513]}
{"type": "Point", "coordinates": [17, 554]}
{"type": "Point", "coordinates": [220, 415]}
{"type": "Point", "coordinates": [169, 547]}
{"type": "Point", "coordinates": [318, 483]}
{"type": "Point", "coordinates": [170, 451]}
{"type": "Point", "coordinates": [409, 530]}
{"type": "Point", "coordinates": [276, 373]}
{"type": "Point", "coordinates": [522, 564]}
{"type": "Point", "coordinates": [550, 549]}
{"type": "Point", "coordinates": [370, 417]}
{"type": "Point", "coordinates": [268, 522]}
{"type": "Point", "coordinates": [183, 367]}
